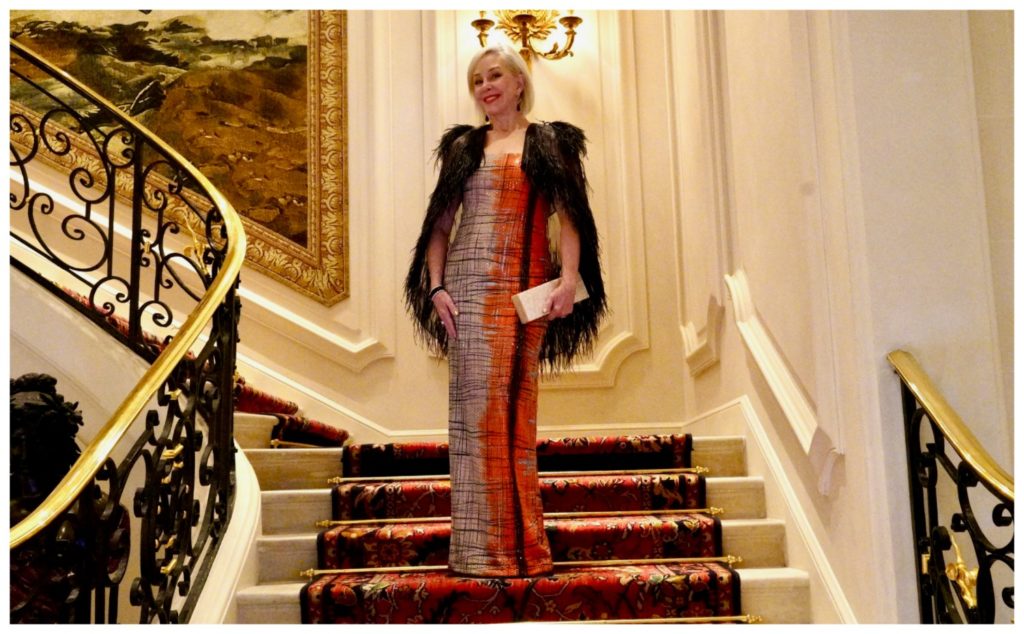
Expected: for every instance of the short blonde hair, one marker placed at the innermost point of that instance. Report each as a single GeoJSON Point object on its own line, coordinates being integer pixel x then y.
{"type": "Point", "coordinates": [511, 61]}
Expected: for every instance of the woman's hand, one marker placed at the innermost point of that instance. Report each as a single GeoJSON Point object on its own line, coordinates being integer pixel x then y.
{"type": "Point", "coordinates": [444, 305]}
{"type": "Point", "coordinates": [561, 300]}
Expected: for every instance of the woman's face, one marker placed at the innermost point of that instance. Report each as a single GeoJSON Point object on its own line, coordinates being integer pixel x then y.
{"type": "Point", "coordinates": [495, 88]}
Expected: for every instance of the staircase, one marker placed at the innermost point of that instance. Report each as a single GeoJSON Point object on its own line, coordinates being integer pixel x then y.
{"type": "Point", "coordinates": [296, 495]}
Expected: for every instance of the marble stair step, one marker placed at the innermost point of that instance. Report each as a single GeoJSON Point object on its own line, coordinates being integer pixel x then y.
{"type": "Point", "coordinates": [618, 492]}
{"type": "Point", "coordinates": [278, 469]}
{"type": "Point", "coordinates": [761, 543]}
{"type": "Point", "coordinates": [573, 591]}
{"type": "Point", "coordinates": [296, 495]}
{"type": "Point", "coordinates": [297, 511]}
{"type": "Point", "coordinates": [311, 468]}
{"type": "Point", "coordinates": [252, 431]}
{"type": "Point", "coordinates": [777, 595]}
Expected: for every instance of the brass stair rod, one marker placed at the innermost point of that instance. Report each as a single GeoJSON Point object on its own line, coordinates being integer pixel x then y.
{"type": "Point", "coordinates": [729, 560]}
{"type": "Point", "coordinates": [542, 474]}
{"type": "Point", "coordinates": [713, 510]}
{"type": "Point", "coordinates": [739, 618]}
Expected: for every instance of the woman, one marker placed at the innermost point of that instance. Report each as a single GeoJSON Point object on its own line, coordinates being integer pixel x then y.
{"type": "Point", "coordinates": [508, 176]}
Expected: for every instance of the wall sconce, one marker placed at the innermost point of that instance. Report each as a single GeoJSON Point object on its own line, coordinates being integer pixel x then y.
{"type": "Point", "coordinates": [524, 26]}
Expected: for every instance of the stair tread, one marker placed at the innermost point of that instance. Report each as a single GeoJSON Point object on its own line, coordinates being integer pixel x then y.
{"type": "Point", "coordinates": [636, 568]}
{"type": "Point", "coordinates": [253, 431]}
{"type": "Point", "coordinates": [296, 510]}
{"type": "Point", "coordinates": [760, 543]}
{"type": "Point", "coordinates": [730, 524]}
{"type": "Point", "coordinates": [752, 578]}
{"type": "Point", "coordinates": [721, 481]}
{"type": "Point", "coordinates": [764, 575]}
{"type": "Point", "coordinates": [295, 454]}
{"type": "Point", "coordinates": [762, 595]}
{"type": "Point", "coordinates": [745, 525]}
{"type": "Point", "coordinates": [322, 491]}
{"type": "Point", "coordinates": [284, 589]}
{"type": "Point", "coordinates": [299, 468]}
{"type": "Point", "coordinates": [248, 418]}
{"type": "Point", "coordinates": [701, 442]}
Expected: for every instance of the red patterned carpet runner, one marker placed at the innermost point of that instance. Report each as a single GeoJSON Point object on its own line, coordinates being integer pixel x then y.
{"type": "Point", "coordinates": [584, 539]}
{"type": "Point", "coordinates": [254, 401]}
{"type": "Point", "coordinates": [575, 591]}
{"type": "Point", "coordinates": [563, 454]}
{"type": "Point", "coordinates": [427, 498]}
{"type": "Point", "coordinates": [630, 592]}
{"type": "Point", "coordinates": [302, 430]}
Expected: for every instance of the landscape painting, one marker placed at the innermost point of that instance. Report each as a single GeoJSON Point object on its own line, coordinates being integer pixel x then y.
{"type": "Point", "coordinates": [254, 99]}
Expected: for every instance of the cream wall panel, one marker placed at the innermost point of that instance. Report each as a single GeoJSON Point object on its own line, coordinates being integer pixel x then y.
{"type": "Point", "coordinates": [42, 345]}
{"type": "Point", "coordinates": [928, 287]}
{"type": "Point", "coordinates": [991, 34]}
{"type": "Point", "coordinates": [924, 207]}
{"type": "Point", "coordinates": [774, 238]}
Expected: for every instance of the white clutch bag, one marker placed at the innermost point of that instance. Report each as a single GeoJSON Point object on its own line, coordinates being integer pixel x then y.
{"type": "Point", "coordinates": [530, 303]}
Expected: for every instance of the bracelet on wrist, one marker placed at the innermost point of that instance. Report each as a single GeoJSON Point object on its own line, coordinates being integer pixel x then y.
{"type": "Point", "coordinates": [434, 291]}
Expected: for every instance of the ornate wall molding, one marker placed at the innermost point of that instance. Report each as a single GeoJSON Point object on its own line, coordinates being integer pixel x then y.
{"type": "Point", "coordinates": [701, 346]}
{"type": "Point", "coordinates": [785, 386]}
{"type": "Point", "coordinates": [351, 353]}
{"type": "Point", "coordinates": [701, 182]}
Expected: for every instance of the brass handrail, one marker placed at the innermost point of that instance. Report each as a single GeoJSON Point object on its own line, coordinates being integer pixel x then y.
{"type": "Point", "coordinates": [94, 456]}
{"type": "Point", "coordinates": [955, 430]}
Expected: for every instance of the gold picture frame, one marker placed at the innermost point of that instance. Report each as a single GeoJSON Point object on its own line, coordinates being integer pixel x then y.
{"type": "Point", "coordinates": [320, 270]}
{"type": "Point", "coordinates": [315, 264]}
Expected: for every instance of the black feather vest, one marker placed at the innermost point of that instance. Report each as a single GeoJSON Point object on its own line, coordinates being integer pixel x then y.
{"type": "Point", "coordinates": [552, 162]}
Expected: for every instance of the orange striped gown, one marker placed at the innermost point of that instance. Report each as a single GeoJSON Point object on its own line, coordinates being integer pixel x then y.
{"type": "Point", "coordinates": [497, 519]}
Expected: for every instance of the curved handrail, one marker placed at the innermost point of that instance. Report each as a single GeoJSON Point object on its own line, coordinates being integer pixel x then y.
{"type": "Point", "coordinates": [950, 424]}
{"type": "Point", "coordinates": [94, 456]}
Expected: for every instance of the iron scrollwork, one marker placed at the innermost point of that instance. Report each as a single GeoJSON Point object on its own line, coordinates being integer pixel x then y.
{"type": "Point", "coordinates": [951, 590]}
{"type": "Point", "coordinates": [141, 243]}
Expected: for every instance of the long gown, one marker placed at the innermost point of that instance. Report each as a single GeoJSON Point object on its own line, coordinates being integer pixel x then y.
{"type": "Point", "coordinates": [497, 519]}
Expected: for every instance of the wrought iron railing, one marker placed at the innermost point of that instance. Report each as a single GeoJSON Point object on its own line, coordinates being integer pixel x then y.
{"type": "Point", "coordinates": [147, 245]}
{"type": "Point", "coordinates": [946, 465]}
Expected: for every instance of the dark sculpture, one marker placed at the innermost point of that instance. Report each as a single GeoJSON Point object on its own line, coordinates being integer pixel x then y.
{"type": "Point", "coordinates": [50, 579]}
